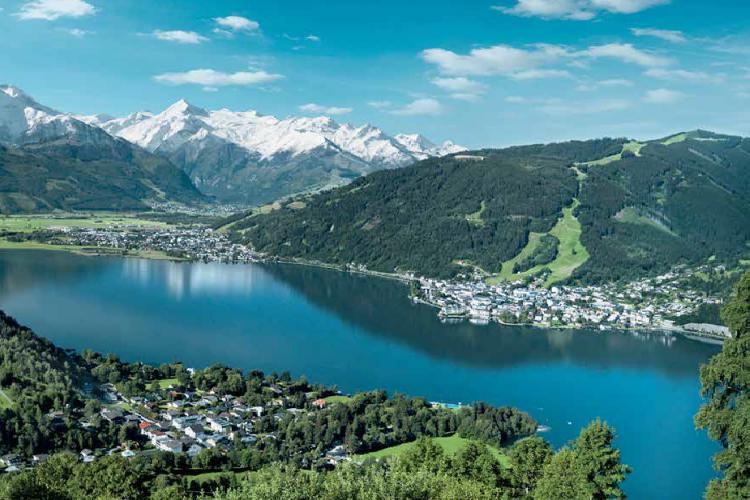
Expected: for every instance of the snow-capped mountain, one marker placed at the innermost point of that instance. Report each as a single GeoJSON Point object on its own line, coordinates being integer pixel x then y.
{"type": "Point", "coordinates": [52, 160]}
{"type": "Point", "coordinates": [247, 156]}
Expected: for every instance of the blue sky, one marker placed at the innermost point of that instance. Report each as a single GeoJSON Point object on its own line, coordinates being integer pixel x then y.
{"type": "Point", "coordinates": [482, 73]}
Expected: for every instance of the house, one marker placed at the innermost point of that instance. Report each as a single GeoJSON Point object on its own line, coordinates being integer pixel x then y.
{"type": "Point", "coordinates": [128, 453]}
{"type": "Point", "coordinates": [183, 422]}
{"type": "Point", "coordinates": [219, 424]}
{"type": "Point", "coordinates": [193, 430]}
{"type": "Point", "coordinates": [39, 459]}
{"type": "Point", "coordinates": [257, 411]}
{"type": "Point", "coordinates": [113, 415]}
{"type": "Point", "coordinates": [10, 460]}
{"type": "Point", "coordinates": [169, 445]}
{"type": "Point", "coordinates": [320, 403]}
{"type": "Point", "coordinates": [194, 449]}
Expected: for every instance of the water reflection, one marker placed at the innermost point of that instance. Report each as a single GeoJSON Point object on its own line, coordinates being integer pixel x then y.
{"type": "Point", "coordinates": [185, 279]}
{"type": "Point", "coordinates": [380, 307]}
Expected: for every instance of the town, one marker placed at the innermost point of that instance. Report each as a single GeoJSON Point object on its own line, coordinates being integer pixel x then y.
{"type": "Point", "coordinates": [645, 304]}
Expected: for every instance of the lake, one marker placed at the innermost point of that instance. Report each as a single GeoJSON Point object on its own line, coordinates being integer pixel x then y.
{"type": "Point", "coordinates": [363, 333]}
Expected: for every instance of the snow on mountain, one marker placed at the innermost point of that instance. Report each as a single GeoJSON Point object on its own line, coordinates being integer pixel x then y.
{"type": "Point", "coordinates": [23, 120]}
{"type": "Point", "coordinates": [268, 137]}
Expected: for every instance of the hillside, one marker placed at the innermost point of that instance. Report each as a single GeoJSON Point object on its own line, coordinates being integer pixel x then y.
{"type": "Point", "coordinates": [614, 208]}
{"type": "Point", "coordinates": [50, 160]}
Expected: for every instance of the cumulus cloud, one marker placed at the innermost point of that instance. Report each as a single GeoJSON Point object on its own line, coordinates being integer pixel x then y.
{"type": "Point", "coordinates": [213, 78]}
{"type": "Point", "coordinates": [188, 37]}
{"type": "Point", "coordinates": [535, 74]}
{"type": "Point", "coordinates": [236, 23]}
{"type": "Point", "coordinates": [424, 106]}
{"type": "Point", "coordinates": [461, 87]}
{"type": "Point", "coordinates": [668, 35]}
{"type": "Point", "coordinates": [625, 52]}
{"type": "Point", "coordinates": [684, 75]}
{"type": "Point", "coordinates": [532, 62]}
{"type": "Point", "coordinates": [312, 38]}
{"type": "Point", "coordinates": [328, 110]}
{"type": "Point", "coordinates": [50, 10]}
{"type": "Point", "coordinates": [576, 10]}
{"type": "Point", "coordinates": [663, 96]}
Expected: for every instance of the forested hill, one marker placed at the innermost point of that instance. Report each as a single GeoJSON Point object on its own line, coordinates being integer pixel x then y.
{"type": "Point", "coordinates": [614, 208]}
{"type": "Point", "coordinates": [69, 174]}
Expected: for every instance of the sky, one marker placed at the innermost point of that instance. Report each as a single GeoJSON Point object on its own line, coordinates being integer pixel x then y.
{"type": "Point", "coordinates": [480, 73]}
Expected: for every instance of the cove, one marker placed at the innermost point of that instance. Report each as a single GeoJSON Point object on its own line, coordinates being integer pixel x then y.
{"type": "Point", "coordinates": [363, 333]}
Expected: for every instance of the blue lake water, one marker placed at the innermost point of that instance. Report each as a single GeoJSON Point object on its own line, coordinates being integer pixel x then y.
{"type": "Point", "coordinates": [363, 333]}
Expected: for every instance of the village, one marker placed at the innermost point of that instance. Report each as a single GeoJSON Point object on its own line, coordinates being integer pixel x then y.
{"type": "Point", "coordinates": [179, 421]}
{"type": "Point", "coordinates": [645, 304]}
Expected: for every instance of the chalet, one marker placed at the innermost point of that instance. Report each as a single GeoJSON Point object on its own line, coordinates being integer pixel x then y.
{"type": "Point", "coordinates": [193, 430]}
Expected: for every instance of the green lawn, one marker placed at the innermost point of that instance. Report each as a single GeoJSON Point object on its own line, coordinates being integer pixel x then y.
{"type": "Point", "coordinates": [29, 223]}
{"type": "Point", "coordinates": [166, 382]}
{"type": "Point", "coordinates": [337, 399]}
{"type": "Point", "coordinates": [450, 445]}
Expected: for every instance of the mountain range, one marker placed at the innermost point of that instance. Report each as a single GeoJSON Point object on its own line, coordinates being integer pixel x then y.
{"type": "Point", "coordinates": [50, 160]}
{"type": "Point", "coordinates": [588, 211]}
{"type": "Point", "coordinates": [244, 156]}
{"type": "Point", "coordinates": [229, 156]}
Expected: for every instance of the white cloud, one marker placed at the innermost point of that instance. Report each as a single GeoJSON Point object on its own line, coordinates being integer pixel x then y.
{"type": "Point", "coordinates": [189, 37]}
{"type": "Point", "coordinates": [535, 74]}
{"type": "Point", "coordinates": [684, 75]}
{"type": "Point", "coordinates": [612, 82]}
{"type": "Point", "coordinates": [625, 52]}
{"type": "Point", "coordinates": [77, 32]}
{"type": "Point", "coordinates": [328, 110]}
{"type": "Point", "coordinates": [236, 23]}
{"type": "Point", "coordinates": [584, 107]}
{"type": "Point", "coordinates": [461, 88]}
{"type": "Point", "coordinates": [523, 63]}
{"type": "Point", "coordinates": [515, 99]}
{"type": "Point", "coordinates": [379, 104]}
{"type": "Point", "coordinates": [49, 10]}
{"type": "Point", "coordinates": [663, 96]}
{"type": "Point", "coordinates": [668, 35]}
{"type": "Point", "coordinates": [312, 38]}
{"type": "Point", "coordinates": [495, 60]}
{"type": "Point", "coordinates": [424, 106]}
{"type": "Point", "coordinates": [212, 78]}
{"type": "Point", "coordinates": [576, 10]}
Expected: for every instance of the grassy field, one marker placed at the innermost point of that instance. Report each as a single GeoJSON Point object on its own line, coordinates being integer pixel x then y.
{"type": "Point", "coordinates": [632, 147]}
{"type": "Point", "coordinates": [337, 399]}
{"type": "Point", "coordinates": [506, 273]}
{"type": "Point", "coordinates": [630, 215]}
{"type": "Point", "coordinates": [476, 217]}
{"type": "Point", "coordinates": [35, 245]}
{"type": "Point", "coordinates": [571, 253]}
{"type": "Point", "coordinates": [29, 223]}
{"type": "Point", "coordinates": [166, 382]}
{"type": "Point", "coordinates": [5, 401]}
{"type": "Point", "coordinates": [674, 139]}
{"type": "Point", "coordinates": [450, 445]}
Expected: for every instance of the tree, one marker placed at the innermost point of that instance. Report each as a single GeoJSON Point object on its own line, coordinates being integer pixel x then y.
{"type": "Point", "coordinates": [600, 460]}
{"type": "Point", "coordinates": [725, 381]}
{"type": "Point", "coordinates": [527, 460]}
{"type": "Point", "coordinates": [564, 477]}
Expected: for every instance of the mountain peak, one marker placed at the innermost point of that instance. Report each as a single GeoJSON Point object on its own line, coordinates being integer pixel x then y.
{"type": "Point", "coordinates": [183, 107]}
